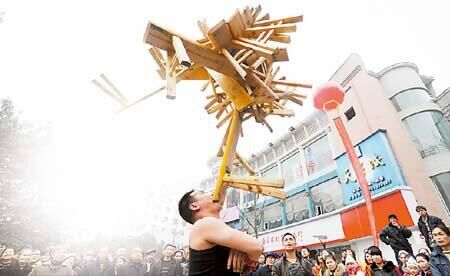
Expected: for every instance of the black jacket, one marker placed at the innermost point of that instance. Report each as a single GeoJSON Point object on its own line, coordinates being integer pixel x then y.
{"type": "Point", "coordinates": [397, 238]}
{"type": "Point", "coordinates": [131, 269]}
{"type": "Point", "coordinates": [263, 270]}
{"type": "Point", "coordinates": [432, 222]}
{"type": "Point", "coordinates": [280, 268]}
{"type": "Point", "coordinates": [388, 269]}
{"type": "Point", "coordinates": [174, 270]}
{"type": "Point", "coordinates": [97, 269]}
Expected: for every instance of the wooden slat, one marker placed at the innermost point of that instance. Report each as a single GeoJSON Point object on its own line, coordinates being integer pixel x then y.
{"type": "Point", "coordinates": [180, 51]}
{"type": "Point", "coordinates": [284, 28]}
{"type": "Point", "coordinates": [245, 164]}
{"type": "Point", "coordinates": [220, 35]}
{"type": "Point", "coordinates": [171, 79]}
{"type": "Point", "coordinates": [114, 88]}
{"type": "Point", "coordinates": [292, 19]}
{"type": "Point", "coordinates": [291, 83]}
{"type": "Point", "coordinates": [282, 112]}
{"type": "Point", "coordinates": [257, 43]}
{"type": "Point", "coordinates": [109, 93]}
{"type": "Point", "coordinates": [268, 191]}
{"type": "Point", "coordinates": [237, 28]}
{"type": "Point", "coordinates": [256, 12]}
{"type": "Point", "coordinates": [284, 38]}
{"type": "Point", "coordinates": [254, 180]}
{"type": "Point", "coordinates": [235, 64]}
{"type": "Point", "coordinates": [266, 16]}
{"type": "Point", "coordinates": [260, 51]}
{"type": "Point", "coordinates": [267, 90]}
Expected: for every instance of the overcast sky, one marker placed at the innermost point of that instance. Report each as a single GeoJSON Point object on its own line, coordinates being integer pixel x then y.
{"type": "Point", "coordinates": [51, 50]}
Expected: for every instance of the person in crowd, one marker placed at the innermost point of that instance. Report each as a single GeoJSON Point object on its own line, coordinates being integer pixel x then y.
{"type": "Point", "coordinates": [135, 267]}
{"type": "Point", "coordinates": [261, 262]}
{"type": "Point", "coordinates": [21, 266]}
{"type": "Point", "coordinates": [343, 256]}
{"type": "Point", "coordinates": [440, 257]}
{"type": "Point", "coordinates": [150, 257]}
{"type": "Point", "coordinates": [266, 269]}
{"type": "Point", "coordinates": [380, 267]}
{"type": "Point", "coordinates": [411, 268]}
{"type": "Point", "coordinates": [425, 251]}
{"type": "Point", "coordinates": [366, 265]}
{"type": "Point", "coordinates": [352, 268]}
{"type": "Point", "coordinates": [426, 223]}
{"type": "Point", "coordinates": [423, 261]}
{"type": "Point", "coordinates": [306, 254]}
{"type": "Point", "coordinates": [120, 262]}
{"type": "Point", "coordinates": [35, 258]}
{"type": "Point", "coordinates": [333, 268]}
{"type": "Point", "coordinates": [291, 263]}
{"type": "Point", "coordinates": [403, 256]}
{"type": "Point", "coordinates": [54, 267]}
{"type": "Point", "coordinates": [318, 265]}
{"type": "Point", "coordinates": [167, 266]}
{"type": "Point", "coordinates": [210, 236]}
{"type": "Point", "coordinates": [179, 257]}
{"type": "Point", "coordinates": [396, 236]}
{"type": "Point", "coordinates": [101, 266]}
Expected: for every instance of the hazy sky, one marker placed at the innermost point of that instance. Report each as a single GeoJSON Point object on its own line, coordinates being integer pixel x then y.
{"type": "Point", "coordinates": [105, 163]}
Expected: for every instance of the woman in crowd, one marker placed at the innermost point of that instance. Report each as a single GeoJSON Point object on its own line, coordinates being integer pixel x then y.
{"type": "Point", "coordinates": [333, 267]}
{"type": "Point", "coordinates": [425, 251]}
{"type": "Point", "coordinates": [318, 265]}
{"type": "Point", "coordinates": [403, 256]}
{"type": "Point", "coordinates": [423, 261]}
{"type": "Point", "coordinates": [352, 267]}
{"type": "Point", "coordinates": [439, 260]}
{"type": "Point", "coordinates": [411, 268]}
{"type": "Point", "coordinates": [367, 262]}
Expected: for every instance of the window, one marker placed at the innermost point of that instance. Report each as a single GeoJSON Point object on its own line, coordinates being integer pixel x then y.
{"type": "Point", "coordinates": [327, 197]}
{"type": "Point", "coordinates": [430, 132]}
{"type": "Point", "coordinates": [318, 155]}
{"type": "Point", "coordinates": [410, 98]}
{"type": "Point", "coordinates": [442, 182]}
{"type": "Point", "coordinates": [297, 208]}
{"type": "Point", "coordinates": [272, 173]}
{"type": "Point", "coordinates": [292, 170]}
{"type": "Point", "coordinates": [272, 215]}
{"type": "Point", "coordinates": [350, 113]}
{"type": "Point", "coordinates": [232, 197]}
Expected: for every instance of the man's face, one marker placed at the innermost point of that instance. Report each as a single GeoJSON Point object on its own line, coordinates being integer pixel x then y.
{"type": "Point", "coordinates": [178, 256]}
{"type": "Point", "coordinates": [393, 221]}
{"type": "Point", "coordinates": [204, 201]}
{"type": "Point", "coordinates": [136, 257]}
{"type": "Point", "coordinates": [289, 243]}
{"type": "Point", "coordinates": [422, 213]}
{"type": "Point", "coordinates": [25, 256]}
{"type": "Point", "coordinates": [305, 253]}
{"type": "Point", "coordinates": [151, 257]}
{"type": "Point", "coordinates": [9, 252]}
{"type": "Point", "coordinates": [169, 251]}
{"type": "Point", "coordinates": [423, 263]}
{"type": "Point", "coordinates": [441, 238]}
{"type": "Point", "coordinates": [377, 259]}
{"type": "Point", "coordinates": [270, 260]}
{"type": "Point", "coordinates": [261, 259]}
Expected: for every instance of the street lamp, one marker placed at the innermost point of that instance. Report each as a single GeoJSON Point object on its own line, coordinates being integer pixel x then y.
{"type": "Point", "coordinates": [322, 239]}
{"type": "Point", "coordinates": [328, 97]}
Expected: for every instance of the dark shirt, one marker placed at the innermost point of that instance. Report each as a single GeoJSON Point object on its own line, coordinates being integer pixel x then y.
{"type": "Point", "coordinates": [165, 266]}
{"type": "Point", "coordinates": [210, 262]}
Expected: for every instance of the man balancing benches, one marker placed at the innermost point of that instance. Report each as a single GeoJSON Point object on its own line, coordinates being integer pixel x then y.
{"type": "Point", "coordinates": [215, 248]}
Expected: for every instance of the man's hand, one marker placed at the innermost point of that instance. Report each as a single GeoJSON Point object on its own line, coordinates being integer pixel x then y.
{"type": "Point", "coordinates": [396, 224]}
{"type": "Point", "coordinates": [236, 260]}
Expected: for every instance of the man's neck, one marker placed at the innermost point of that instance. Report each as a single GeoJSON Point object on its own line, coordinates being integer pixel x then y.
{"type": "Point", "coordinates": [446, 248]}
{"type": "Point", "coordinates": [291, 256]}
{"type": "Point", "coordinates": [167, 258]}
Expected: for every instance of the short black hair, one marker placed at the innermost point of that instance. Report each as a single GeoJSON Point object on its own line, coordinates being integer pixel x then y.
{"type": "Point", "coordinates": [171, 245]}
{"type": "Point", "coordinates": [304, 247]}
{"type": "Point", "coordinates": [392, 216]}
{"type": "Point", "coordinates": [425, 256]}
{"type": "Point", "coordinates": [374, 250]}
{"type": "Point", "coordinates": [443, 228]}
{"type": "Point", "coordinates": [288, 234]}
{"type": "Point", "coordinates": [183, 207]}
{"type": "Point", "coordinates": [150, 251]}
{"type": "Point", "coordinates": [420, 207]}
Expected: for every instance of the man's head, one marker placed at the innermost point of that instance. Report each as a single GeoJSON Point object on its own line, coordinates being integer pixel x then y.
{"type": "Point", "coordinates": [179, 256]}
{"type": "Point", "coordinates": [262, 259]}
{"type": "Point", "coordinates": [25, 256]}
{"type": "Point", "coordinates": [393, 219]}
{"type": "Point", "coordinates": [169, 250]}
{"type": "Point", "coordinates": [305, 252]}
{"type": "Point", "coordinates": [377, 255]}
{"type": "Point", "coordinates": [422, 211]}
{"type": "Point", "coordinates": [136, 257]}
{"type": "Point", "coordinates": [121, 252]}
{"type": "Point", "coordinates": [195, 205]}
{"type": "Point", "coordinates": [271, 258]}
{"type": "Point", "coordinates": [289, 241]}
{"type": "Point", "coordinates": [151, 255]}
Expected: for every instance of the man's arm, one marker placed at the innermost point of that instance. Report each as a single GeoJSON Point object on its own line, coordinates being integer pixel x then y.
{"type": "Point", "coordinates": [384, 236]}
{"type": "Point", "coordinates": [214, 231]}
{"type": "Point", "coordinates": [405, 232]}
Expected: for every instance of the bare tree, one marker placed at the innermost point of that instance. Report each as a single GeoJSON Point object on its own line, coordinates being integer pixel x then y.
{"type": "Point", "coordinates": [253, 215]}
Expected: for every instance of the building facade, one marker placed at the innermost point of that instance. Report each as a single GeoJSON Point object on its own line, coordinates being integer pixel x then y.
{"type": "Point", "coordinates": [402, 140]}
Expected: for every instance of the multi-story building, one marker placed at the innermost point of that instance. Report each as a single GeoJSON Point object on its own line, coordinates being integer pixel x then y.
{"type": "Point", "coordinates": [402, 140]}
{"type": "Point", "coordinates": [443, 100]}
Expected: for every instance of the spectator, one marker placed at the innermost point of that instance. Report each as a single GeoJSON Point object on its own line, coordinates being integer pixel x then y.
{"type": "Point", "coordinates": [425, 251]}
{"type": "Point", "coordinates": [54, 267]}
{"type": "Point", "coordinates": [439, 260]}
{"type": "Point", "coordinates": [333, 267]}
{"type": "Point", "coordinates": [179, 257]}
{"type": "Point", "coordinates": [411, 268]}
{"type": "Point", "coordinates": [150, 257]}
{"type": "Point", "coordinates": [291, 263]}
{"type": "Point", "coordinates": [403, 256]}
{"type": "Point", "coordinates": [319, 265]}
{"type": "Point", "coordinates": [352, 268]}
{"type": "Point", "coordinates": [367, 262]}
{"type": "Point", "coordinates": [380, 267]}
{"type": "Point", "coordinates": [167, 266]}
{"type": "Point", "coordinates": [266, 269]}
{"type": "Point", "coordinates": [99, 266]}
{"type": "Point", "coordinates": [396, 236]}
{"type": "Point", "coordinates": [426, 223]}
{"type": "Point", "coordinates": [135, 267]}
{"type": "Point", "coordinates": [21, 266]}
{"type": "Point", "coordinates": [423, 261]}
{"type": "Point", "coordinates": [306, 254]}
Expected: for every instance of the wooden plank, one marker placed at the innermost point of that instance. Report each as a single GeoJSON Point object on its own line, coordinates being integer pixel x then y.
{"type": "Point", "coordinates": [235, 64]}
{"type": "Point", "coordinates": [254, 180]}
{"type": "Point", "coordinates": [268, 191]}
{"type": "Point", "coordinates": [114, 88]}
{"type": "Point", "coordinates": [291, 83]}
{"type": "Point", "coordinates": [194, 72]}
{"type": "Point", "coordinates": [224, 120]}
{"type": "Point", "coordinates": [220, 35]}
{"type": "Point", "coordinates": [171, 79]}
{"type": "Point", "coordinates": [218, 107]}
{"type": "Point", "coordinates": [267, 90]}
{"type": "Point", "coordinates": [180, 51]}
{"type": "Point", "coordinates": [286, 20]}
{"type": "Point", "coordinates": [159, 61]}
{"type": "Point", "coordinates": [258, 50]}
{"type": "Point", "coordinates": [236, 26]}
{"type": "Point", "coordinates": [258, 62]}
{"type": "Point", "coordinates": [284, 38]}
{"type": "Point", "coordinates": [109, 93]}
{"type": "Point", "coordinates": [162, 38]}
{"type": "Point", "coordinates": [257, 43]}
{"type": "Point", "coordinates": [247, 16]}
{"type": "Point", "coordinates": [266, 16]}
{"type": "Point", "coordinates": [282, 112]}
{"type": "Point", "coordinates": [284, 28]}
{"type": "Point", "coordinates": [203, 26]}
{"type": "Point", "coordinates": [256, 12]}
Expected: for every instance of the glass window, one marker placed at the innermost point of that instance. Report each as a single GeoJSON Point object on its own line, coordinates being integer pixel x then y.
{"type": "Point", "coordinates": [292, 170]}
{"type": "Point", "coordinates": [327, 197]}
{"type": "Point", "coordinates": [232, 197]}
{"type": "Point", "coordinates": [272, 216]}
{"type": "Point", "coordinates": [297, 208]}
{"type": "Point", "coordinates": [318, 155]}
{"type": "Point", "coordinates": [271, 173]}
{"type": "Point", "coordinates": [430, 132]}
{"type": "Point", "coordinates": [442, 182]}
{"type": "Point", "coordinates": [410, 98]}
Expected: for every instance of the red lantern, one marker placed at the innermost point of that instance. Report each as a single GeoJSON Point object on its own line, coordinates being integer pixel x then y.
{"type": "Point", "coordinates": [328, 96]}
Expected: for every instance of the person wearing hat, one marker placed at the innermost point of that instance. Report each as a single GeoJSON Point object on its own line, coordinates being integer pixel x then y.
{"type": "Point", "coordinates": [150, 259]}
{"type": "Point", "coordinates": [380, 267]}
{"type": "Point", "coordinates": [396, 236]}
{"type": "Point", "coordinates": [352, 268]}
{"type": "Point", "coordinates": [412, 268]}
{"type": "Point", "coordinates": [426, 223]}
{"type": "Point", "coordinates": [266, 270]}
